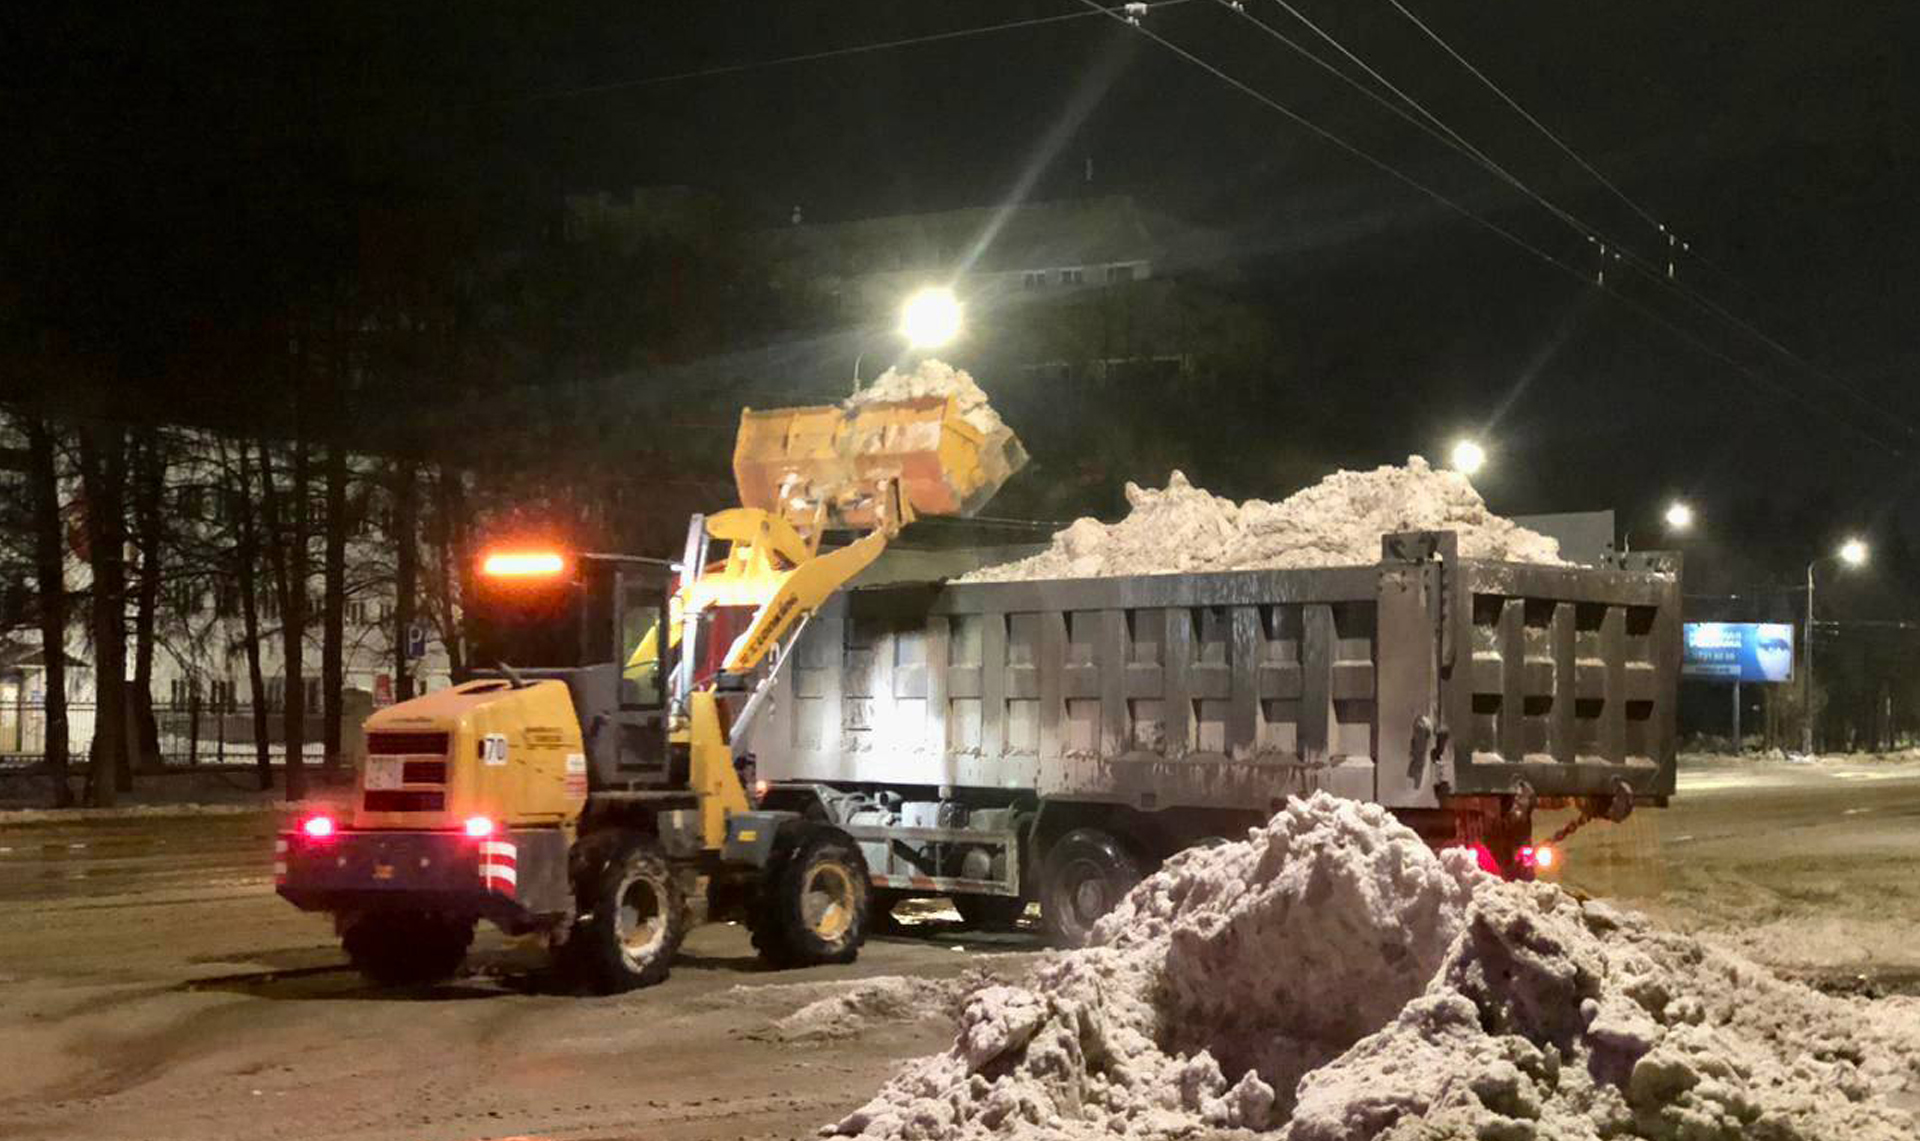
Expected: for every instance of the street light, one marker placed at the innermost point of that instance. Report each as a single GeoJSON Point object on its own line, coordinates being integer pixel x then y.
{"type": "Point", "coordinates": [1678, 520]}
{"type": "Point", "coordinates": [1852, 553]}
{"type": "Point", "coordinates": [1468, 457]}
{"type": "Point", "coordinates": [930, 318]}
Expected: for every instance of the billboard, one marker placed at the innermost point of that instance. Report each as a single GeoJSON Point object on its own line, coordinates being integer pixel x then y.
{"type": "Point", "coordinates": [1738, 651]}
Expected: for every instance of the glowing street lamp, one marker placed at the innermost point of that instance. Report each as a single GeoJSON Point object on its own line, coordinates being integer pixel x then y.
{"type": "Point", "coordinates": [1677, 519]}
{"type": "Point", "coordinates": [1852, 553]}
{"type": "Point", "coordinates": [930, 318]}
{"type": "Point", "coordinates": [1468, 457]}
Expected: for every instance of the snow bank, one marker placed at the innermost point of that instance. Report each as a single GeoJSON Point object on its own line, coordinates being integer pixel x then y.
{"type": "Point", "coordinates": [933, 378]}
{"type": "Point", "coordinates": [1336, 522]}
{"type": "Point", "coordinates": [1330, 977]}
{"type": "Point", "coordinates": [848, 1009]}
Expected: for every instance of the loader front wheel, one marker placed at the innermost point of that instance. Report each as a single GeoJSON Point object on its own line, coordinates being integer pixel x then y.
{"type": "Point", "coordinates": [814, 905]}
{"type": "Point", "coordinates": [394, 948]}
{"type": "Point", "coordinates": [636, 919]}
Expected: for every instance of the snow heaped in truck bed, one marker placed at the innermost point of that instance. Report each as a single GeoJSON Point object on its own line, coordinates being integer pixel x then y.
{"type": "Point", "coordinates": [1331, 978]}
{"type": "Point", "coordinates": [933, 378]}
{"type": "Point", "coordinates": [1336, 522]}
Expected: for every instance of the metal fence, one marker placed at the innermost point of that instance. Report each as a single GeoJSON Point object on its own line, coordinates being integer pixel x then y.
{"type": "Point", "coordinates": [194, 733]}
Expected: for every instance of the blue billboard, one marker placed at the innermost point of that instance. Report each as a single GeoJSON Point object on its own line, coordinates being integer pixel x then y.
{"type": "Point", "coordinates": [1738, 651]}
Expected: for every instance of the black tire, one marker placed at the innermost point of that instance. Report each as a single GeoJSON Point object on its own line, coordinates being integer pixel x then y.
{"type": "Point", "coordinates": [1085, 873]}
{"type": "Point", "coordinates": [989, 912]}
{"type": "Point", "coordinates": [815, 901]}
{"type": "Point", "coordinates": [633, 919]}
{"type": "Point", "coordinates": [397, 948]}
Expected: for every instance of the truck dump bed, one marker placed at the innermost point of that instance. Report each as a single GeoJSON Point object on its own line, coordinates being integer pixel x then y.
{"type": "Point", "coordinates": [1405, 682]}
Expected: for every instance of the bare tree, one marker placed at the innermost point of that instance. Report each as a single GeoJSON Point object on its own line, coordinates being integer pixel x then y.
{"type": "Point", "coordinates": [149, 538]}
{"type": "Point", "coordinates": [246, 565]}
{"type": "Point", "coordinates": [406, 574]}
{"type": "Point", "coordinates": [103, 474]}
{"type": "Point", "coordinates": [49, 561]}
{"type": "Point", "coordinates": [449, 536]}
{"type": "Point", "coordinates": [286, 530]}
{"type": "Point", "coordinates": [334, 603]}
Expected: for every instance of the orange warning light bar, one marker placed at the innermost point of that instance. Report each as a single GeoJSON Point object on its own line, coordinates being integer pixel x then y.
{"type": "Point", "coordinates": [523, 564]}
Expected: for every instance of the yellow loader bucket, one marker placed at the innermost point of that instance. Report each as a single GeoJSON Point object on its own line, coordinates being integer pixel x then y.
{"type": "Point", "coordinates": [786, 459]}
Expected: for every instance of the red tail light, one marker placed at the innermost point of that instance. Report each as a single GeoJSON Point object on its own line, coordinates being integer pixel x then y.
{"type": "Point", "coordinates": [317, 827]}
{"type": "Point", "coordinates": [1540, 856]}
{"type": "Point", "coordinates": [479, 827]}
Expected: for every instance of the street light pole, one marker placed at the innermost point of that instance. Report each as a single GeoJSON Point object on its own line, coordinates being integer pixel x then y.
{"type": "Point", "coordinates": [1806, 677]}
{"type": "Point", "coordinates": [1852, 553]}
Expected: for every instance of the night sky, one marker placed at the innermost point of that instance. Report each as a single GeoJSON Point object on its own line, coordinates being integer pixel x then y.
{"type": "Point", "coordinates": [176, 168]}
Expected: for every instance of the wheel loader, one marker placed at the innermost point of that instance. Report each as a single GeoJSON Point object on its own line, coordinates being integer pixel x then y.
{"type": "Point", "coordinates": [588, 789]}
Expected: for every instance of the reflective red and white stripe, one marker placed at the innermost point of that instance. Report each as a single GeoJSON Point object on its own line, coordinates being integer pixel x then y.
{"type": "Point", "coordinates": [499, 866]}
{"type": "Point", "coordinates": [280, 861]}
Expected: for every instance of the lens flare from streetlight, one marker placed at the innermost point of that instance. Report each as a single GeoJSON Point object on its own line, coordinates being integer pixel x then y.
{"type": "Point", "coordinates": [1468, 457]}
{"type": "Point", "coordinates": [930, 318]}
{"type": "Point", "coordinates": [1853, 552]}
{"type": "Point", "coordinates": [1679, 517]}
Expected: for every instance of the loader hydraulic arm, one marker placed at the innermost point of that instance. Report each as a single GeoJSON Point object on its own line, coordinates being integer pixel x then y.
{"type": "Point", "coordinates": [772, 567]}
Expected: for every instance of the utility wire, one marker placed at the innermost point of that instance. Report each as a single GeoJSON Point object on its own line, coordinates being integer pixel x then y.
{"type": "Point", "coordinates": [1120, 15]}
{"type": "Point", "coordinates": [1651, 269]}
{"type": "Point", "coordinates": [803, 57]}
{"type": "Point", "coordinates": [1528, 116]}
{"type": "Point", "coordinates": [1451, 138]}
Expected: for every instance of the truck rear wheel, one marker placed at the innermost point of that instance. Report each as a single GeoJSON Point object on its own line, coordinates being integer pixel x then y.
{"type": "Point", "coordinates": [637, 918]}
{"type": "Point", "coordinates": [814, 904]}
{"type": "Point", "coordinates": [1085, 873]}
{"type": "Point", "coordinates": [397, 948]}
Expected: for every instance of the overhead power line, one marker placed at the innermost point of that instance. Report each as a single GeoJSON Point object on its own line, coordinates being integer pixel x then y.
{"type": "Point", "coordinates": [802, 57]}
{"type": "Point", "coordinates": [1433, 126]}
{"type": "Point", "coordinates": [1128, 15]}
{"type": "Point", "coordinates": [1648, 267]}
{"type": "Point", "coordinates": [1510, 101]}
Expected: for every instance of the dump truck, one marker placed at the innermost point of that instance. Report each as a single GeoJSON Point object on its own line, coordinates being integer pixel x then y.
{"type": "Point", "coordinates": [1002, 743]}
{"type": "Point", "coordinates": [588, 789]}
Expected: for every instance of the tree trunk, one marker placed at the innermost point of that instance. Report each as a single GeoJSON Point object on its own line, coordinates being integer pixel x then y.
{"type": "Point", "coordinates": [247, 559]}
{"type": "Point", "coordinates": [286, 552]}
{"type": "Point", "coordinates": [50, 571]}
{"type": "Point", "coordinates": [149, 531]}
{"type": "Point", "coordinates": [455, 566]}
{"type": "Point", "coordinates": [406, 571]}
{"type": "Point", "coordinates": [333, 619]}
{"type": "Point", "coordinates": [103, 455]}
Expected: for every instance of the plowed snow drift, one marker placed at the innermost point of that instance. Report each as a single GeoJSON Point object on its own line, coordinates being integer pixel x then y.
{"type": "Point", "coordinates": [1182, 529]}
{"type": "Point", "coordinates": [1330, 978]}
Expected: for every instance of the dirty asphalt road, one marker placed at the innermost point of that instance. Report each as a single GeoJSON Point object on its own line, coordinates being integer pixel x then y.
{"type": "Point", "coordinates": [151, 985]}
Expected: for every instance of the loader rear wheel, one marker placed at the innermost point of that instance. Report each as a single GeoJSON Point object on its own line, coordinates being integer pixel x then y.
{"type": "Point", "coordinates": [990, 912]}
{"type": "Point", "coordinates": [814, 904]}
{"type": "Point", "coordinates": [1085, 873]}
{"type": "Point", "coordinates": [394, 948]}
{"type": "Point", "coordinates": [636, 918]}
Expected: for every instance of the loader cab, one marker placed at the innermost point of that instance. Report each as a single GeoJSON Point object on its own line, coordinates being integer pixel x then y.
{"type": "Point", "coordinates": [598, 623]}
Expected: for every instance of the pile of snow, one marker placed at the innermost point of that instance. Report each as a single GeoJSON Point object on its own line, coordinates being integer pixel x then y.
{"type": "Point", "coordinates": [933, 378]}
{"type": "Point", "coordinates": [1333, 978]}
{"type": "Point", "coordinates": [1336, 522]}
{"type": "Point", "coordinates": [848, 1009]}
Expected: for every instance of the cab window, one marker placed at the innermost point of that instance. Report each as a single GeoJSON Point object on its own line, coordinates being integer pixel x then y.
{"type": "Point", "coordinates": [641, 640]}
